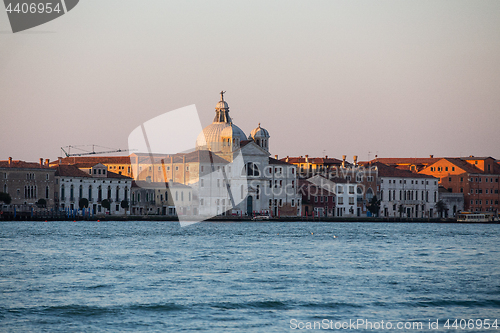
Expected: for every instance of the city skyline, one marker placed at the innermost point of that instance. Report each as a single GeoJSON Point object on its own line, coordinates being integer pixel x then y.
{"type": "Point", "coordinates": [329, 78]}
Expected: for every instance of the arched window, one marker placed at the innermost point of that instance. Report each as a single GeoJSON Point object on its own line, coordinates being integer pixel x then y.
{"type": "Point", "coordinates": [71, 193]}
{"type": "Point", "coordinates": [63, 195]}
{"type": "Point", "coordinates": [251, 169]}
{"type": "Point", "coordinates": [80, 192]}
{"type": "Point", "coordinates": [109, 192]}
{"type": "Point", "coordinates": [90, 192]}
{"type": "Point", "coordinates": [117, 194]}
{"type": "Point", "coordinates": [166, 195]}
{"type": "Point", "coordinates": [369, 194]}
{"type": "Point", "coordinates": [47, 192]}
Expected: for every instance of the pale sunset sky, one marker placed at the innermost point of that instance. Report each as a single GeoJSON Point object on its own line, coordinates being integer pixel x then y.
{"type": "Point", "coordinates": [392, 78]}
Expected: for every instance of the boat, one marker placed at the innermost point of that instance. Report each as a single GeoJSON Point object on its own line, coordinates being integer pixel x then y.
{"type": "Point", "coordinates": [477, 217]}
{"type": "Point", "coordinates": [260, 217]}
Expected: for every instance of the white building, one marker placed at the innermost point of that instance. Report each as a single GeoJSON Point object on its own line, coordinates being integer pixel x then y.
{"type": "Point", "coordinates": [251, 182]}
{"type": "Point", "coordinates": [406, 194]}
{"type": "Point", "coordinates": [96, 184]}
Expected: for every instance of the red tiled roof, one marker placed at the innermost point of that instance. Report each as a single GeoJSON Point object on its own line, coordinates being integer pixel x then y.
{"type": "Point", "coordinates": [110, 174]}
{"type": "Point", "coordinates": [313, 160]}
{"type": "Point", "coordinates": [278, 162]}
{"type": "Point", "coordinates": [70, 171]}
{"type": "Point", "coordinates": [93, 160]}
{"type": "Point", "coordinates": [407, 160]}
{"type": "Point", "coordinates": [22, 165]}
{"type": "Point", "coordinates": [389, 171]}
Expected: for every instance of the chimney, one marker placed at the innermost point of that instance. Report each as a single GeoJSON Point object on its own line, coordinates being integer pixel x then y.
{"type": "Point", "coordinates": [307, 158]}
{"type": "Point", "coordinates": [41, 162]}
{"type": "Point", "coordinates": [343, 160]}
{"type": "Point", "coordinates": [47, 162]}
{"type": "Point", "coordinates": [355, 159]}
{"type": "Point", "coordinates": [276, 156]}
{"type": "Point", "coordinates": [326, 156]}
{"type": "Point", "coordinates": [59, 160]}
{"type": "Point", "coordinates": [431, 156]}
{"type": "Point", "coordinates": [10, 161]}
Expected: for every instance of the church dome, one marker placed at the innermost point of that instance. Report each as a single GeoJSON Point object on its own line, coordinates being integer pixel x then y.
{"type": "Point", "coordinates": [261, 137]}
{"type": "Point", "coordinates": [222, 105]}
{"type": "Point", "coordinates": [259, 132]}
{"type": "Point", "coordinates": [233, 131]}
{"type": "Point", "coordinates": [211, 136]}
{"type": "Point", "coordinates": [215, 131]}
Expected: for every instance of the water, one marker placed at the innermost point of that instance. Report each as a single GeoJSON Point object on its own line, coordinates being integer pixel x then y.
{"type": "Point", "coordinates": [244, 277]}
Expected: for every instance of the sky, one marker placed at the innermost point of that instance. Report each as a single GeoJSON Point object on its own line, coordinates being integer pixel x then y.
{"type": "Point", "coordinates": [366, 78]}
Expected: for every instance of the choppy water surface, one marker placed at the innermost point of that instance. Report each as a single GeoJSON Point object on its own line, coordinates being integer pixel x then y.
{"type": "Point", "coordinates": [244, 277]}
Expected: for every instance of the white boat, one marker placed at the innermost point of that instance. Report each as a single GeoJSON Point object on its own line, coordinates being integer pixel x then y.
{"type": "Point", "coordinates": [478, 217]}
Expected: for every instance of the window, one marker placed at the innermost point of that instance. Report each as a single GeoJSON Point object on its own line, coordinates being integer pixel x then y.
{"type": "Point", "coordinates": [340, 200]}
{"type": "Point", "coordinates": [446, 169]}
{"type": "Point", "coordinates": [176, 168]}
{"type": "Point", "coordinates": [251, 169]}
{"type": "Point", "coordinates": [452, 168]}
{"type": "Point", "coordinates": [369, 178]}
{"type": "Point", "coordinates": [202, 202]}
{"type": "Point", "coordinates": [202, 183]}
{"type": "Point", "coordinates": [449, 179]}
{"type": "Point", "coordinates": [315, 199]}
{"type": "Point", "coordinates": [351, 200]}
{"type": "Point", "coordinates": [293, 201]}
{"type": "Point", "coordinates": [351, 189]}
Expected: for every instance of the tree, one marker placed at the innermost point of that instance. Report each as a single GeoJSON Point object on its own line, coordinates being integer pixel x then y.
{"type": "Point", "coordinates": [41, 203]}
{"type": "Point", "coordinates": [106, 204]}
{"type": "Point", "coordinates": [83, 203]}
{"type": "Point", "coordinates": [124, 204]}
{"type": "Point", "coordinates": [440, 207]}
{"type": "Point", "coordinates": [374, 206]}
{"type": "Point", "coordinates": [5, 197]}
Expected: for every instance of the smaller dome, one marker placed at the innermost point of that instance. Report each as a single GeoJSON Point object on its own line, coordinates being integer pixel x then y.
{"type": "Point", "coordinates": [259, 132]}
{"type": "Point", "coordinates": [222, 105]}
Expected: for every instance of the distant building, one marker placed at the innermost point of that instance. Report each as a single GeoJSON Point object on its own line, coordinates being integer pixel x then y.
{"type": "Point", "coordinates": [316, 201]}
{"type": "Point", "coordinates": [95, 185]}
{"type": "Point", "coordinates": [454, 202]}
{"type": "Point", "coordinates": [171, 199]}
{"type": "Point", "coordinates": [27, 183]}
{"type": "Point", "coordinates": [477, 178]}
{"type": "Point", "coordinates": [406, 194]}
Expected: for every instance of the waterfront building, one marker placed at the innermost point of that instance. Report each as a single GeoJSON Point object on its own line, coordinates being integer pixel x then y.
{"type": "Point", "coordinates": [27, 183]}
{"type": "Point", "coordinates": [148, 198]}
{"type": "Point", "coordinates": [116, 164]}
{"type": "Point", "coordinates": [257, 182]}
{"type": "Point", "coordinates": [406, 194]}
{"type": "Point", "coordinates": [407, 163]}
{"type": "Point", "coordinates": [453, 202]}
{"type": "Point", "coordinates": [95, 185]}
{"type": "Point", "coordinates": [310, 166]}
{"type": "Point", "coordinates": [477, 178]}
{"type": "Point", "coordinates": [316, 200]}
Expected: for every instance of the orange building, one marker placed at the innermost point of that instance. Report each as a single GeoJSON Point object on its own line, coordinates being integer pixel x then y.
{"type": "Point", "coordinates": [476, 177]}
